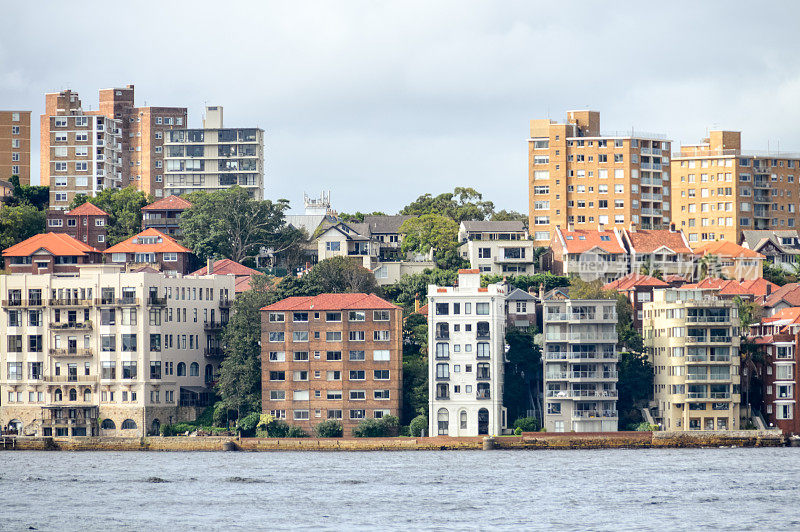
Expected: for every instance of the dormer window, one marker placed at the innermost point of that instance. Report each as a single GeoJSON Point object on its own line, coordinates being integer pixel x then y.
{"type": "Point", "coordinates": [581, 237]}
{"type": "Point", "coordinates": [605, 238]}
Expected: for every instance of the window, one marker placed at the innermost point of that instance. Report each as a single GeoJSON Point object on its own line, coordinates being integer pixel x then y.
{"type": "Point", "coordinates": [381, 355]}
{"type": "Point", "coordinates": [333, 336]}
{"type": "Point", "coordinates": [333, 375]}
{"type": "Point", "coordinates": [333, 246]}
{"type": "Point", "coordinates": [357, 356]}
{"type": "Point", "coordinates": [276, 317]}
{"type": "Point", "coordinates": [380, 336]}
{"type": "Point", "coordinates": [357, 414]}
{"type": "Point", "coordinates": [357, 375]}
{"type": "Point", "coordinates": [300, 415]}
{"type": "Point", "coordinates": [380, 315]}
{"type": "Point", "coordinates": [482, 309]}
{"type": "Point", "coordinates": [357, 336]}
{"type": "Point", "coordinates": [358, 395]}
{"type": "Point", "coordinates": [300, 356]}
{"type": "Point", "coordinates": [356, 315]}
{"type": "Point", "coordinates": [380, 374]}
{"type": "Point", "coordinates": [381, 395]}
{"type": "Point", "coordinates": [299, 336]}
{"type": "Point", "coordinates": [300, 317]}
{"type": "Point", "coordinates": [277, 376]}
{"type": "Point", "coordinates": [332, 356]}
{"type": "Point", "coordinates": [333, 316]}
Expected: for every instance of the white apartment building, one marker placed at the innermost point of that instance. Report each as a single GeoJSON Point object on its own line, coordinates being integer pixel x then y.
{"type": "Point", "coordinates": [106, 352]}
{"type": "Point", "coordinates": [466, 346]}
{"type": "Point", "coordinates": [692, 339]}
{"type": "Point", "coordinates": [501, 248]}
{"type": "Point", "coordinates": [214, 158]}
{"type": "Point", "coordinates": [85, 156]}
{"type": "Point", "coordinates": [580, 365]}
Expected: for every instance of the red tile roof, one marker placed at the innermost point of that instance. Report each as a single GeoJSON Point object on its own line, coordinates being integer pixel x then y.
{"type": "Point", "coordinates": [166, 245]}
{"type": "Point", "coordinates": [792, 314]}
{"type": "Point", "coordinates": [789, 293]}
{"type": "Point", "coordinates": [241, 284]}
{"type": "Point", "coordinates": [474, 270]}
{"type": "Point", "coordinates": [228, 267]}
{"type": "Point", "coordinates": [633, 280]}
{"type": "Point", "coordinates": [726, 248]}
{"type": "Point", "coordinates": [648, 241]}
{"type": "Point", "coordinates": [170, 203]}
{"type": "Point", "coordinates": [756, 287]}
{"type": "Point", "coordinates": [58, 244]}
{"type": "Point", "coordinates": [87, 209]}
{"type": "Point", "coordinates": [423, 310]}
{"type": "Point", "coordinates": [332, 302]}
{"type": "Point", "coordinates": [582, 240]}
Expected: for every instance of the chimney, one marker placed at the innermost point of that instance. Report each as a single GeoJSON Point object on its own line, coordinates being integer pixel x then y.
{"type": "Point", "coordinates": [570, 228]}
{"type": "Point", "coordinates": [209, 266]}
{"type": "Point", "coordinates": [601, 227]}
{"type": "Point", "coordinates": [632, 227]}
{"type": "Point", "coordinates": [416, 302]}
{"type": "Point", "coordinates": [672, 228]}
{"type": "Point", "coordinates": [769, 288]}
{"type": "Point", "coordinates": [541, 291]}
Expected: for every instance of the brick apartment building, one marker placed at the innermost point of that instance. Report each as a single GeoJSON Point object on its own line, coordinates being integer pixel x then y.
{"type": "Point", "coordinates": [165, 215]}
{"type": "Point", "coordinates": [134, 150]}
{"type": "Point", "coordinates": [56, 253]}
{"type": "Point", "coordinates": [331, 357]}
{"type": "Point", "coordinates": [585, 178]}
{"type": "Point", "coordinates": [15, 145]}
{"type": "Point", "coordinates": [719, 190]}
{"type": "Point", "coordinates": [87, 223]}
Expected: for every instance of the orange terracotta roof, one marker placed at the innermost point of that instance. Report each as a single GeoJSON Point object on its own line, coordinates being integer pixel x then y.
{"type": "Point", "coordinates": [792, 314]}
{"type": "Point", "coordinates": [58, 244]}
{"type": "Point", "coordinates": [648, 241]}
{"type": "Point", "coordinates": [726, 248]}
{"type": "Point", "coordinates": [474, 270]}
{"type": "Point", "coordinates": [241, 284]}
{"type": "Point", "coordinates": [228, 267]}
{"type": "Point", "coordinates": [756, 287]}
{"type": "Point", "coordinates": [87, 209]}
{"type": "Point", "coordinates": [324, 302]}
{"type": "Point", "coordinates": [170, 203]}
{"type": "Point", "coordinates": [582, 240]}
{"type": "Point", "coordinates": [633, 280]}
{"type": "Point", "coordinates": [788, 293]}
{"type": "Point", "coordinates": [166, 245]}
{"type": "Point", "coordinates": [423, 310]}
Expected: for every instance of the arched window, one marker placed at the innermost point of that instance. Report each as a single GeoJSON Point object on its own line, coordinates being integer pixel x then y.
{"type": "Point", "coordinates": [87, 395]}
{"type": "Point", "coordinates": [443, 421]}
{"type": "Point", "coordinates": [73, 394]}
{"type": "Point", "coordinates": [108, 424]}
{"type": "Point", "coordinates": [57, 396]}
{"type": "Point", "coordinates": [463, 418]}
{"type": "Point", "coordinates": [128, 424]}
{"type": "Point", "coordinates": [181, 369]}
{"type": "Point", "coordinates": [209, 373]}
{"type": "Point", "coordinates": [194, 370]}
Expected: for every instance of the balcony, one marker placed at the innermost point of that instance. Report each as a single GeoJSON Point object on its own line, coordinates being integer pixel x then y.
{"type": "Point", "coordinates": [558, 376]}
{"type": "Point", "coordinates": [592, 337]}
{"type": "Point", "coordinates": [213, 351]}
{"type": "Point", "coordinates": [654, 181]}
{"type": "Point", "coordinates": [483, 395]}
{"type": "Point", "coordinates": [652, 212]}
{"type": "Point", "coordinates": [483, 376]}
{"type": "Point", "coordinates": [482, 336]}
{"type": "Point", "coordinates": [161, 222]}
{"type": "Point", "coordinates": [12, 303]}
{"type": "Point", "coordinates": [707, 319]}
{"type": "Point", "coordinates": [594, 414]}
{"type": "Point", "coordinates": [69, 302]}
{"type": "Point", "coordinates": [556, 337]}
{"type": "Point", "coordinates": [556, 355]}
{"type": "Point", "coordinates": [652, 197]}
{"type": "Point", "coordinates": [155, 301]}
{"type": "Point", "coordinates": [555, 316]}
{"type": "Point", "coordinates": [128, 301]}
{"type": "Point", "coordinates": [592, 356]}
{"type": "Point", "coordinates": [214, 325]}
{"type": "Point", "coordinates": [78, 353]}
{"type": "Point", "coordinates": [71, 379]}
{"type": "Point", "coordinates": [442, 335]}
{"type": "Point", "coordinates": [719, 339]}
{"type": "Point", "coordinates": [443, 397]}
{"type": "Point", "coordinates": [73, 325]}
{"type": "Point", "coordinates": [225, 303]}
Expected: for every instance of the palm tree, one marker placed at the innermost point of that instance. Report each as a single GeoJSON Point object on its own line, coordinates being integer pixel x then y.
{"type": "Point", "coordinates": [709, 266]}
{"type": "Point", "coordinates": [648, 268]}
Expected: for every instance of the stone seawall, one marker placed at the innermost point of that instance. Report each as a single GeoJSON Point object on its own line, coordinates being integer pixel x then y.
{"type": "Point", "coordinates": [530, 440]}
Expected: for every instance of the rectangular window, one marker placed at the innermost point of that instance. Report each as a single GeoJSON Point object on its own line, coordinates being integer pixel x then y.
{"type": "Point", "coordinates": [380, 374]}
{"type": "Point", "coordinates": [380, 336]}
{"type": "Point", "coordinates": [357, 336]}
{"type": "Point", "coordinates": [333, 336]}
{"type": "Point", "coordinates": [482, 309]}
{"type": "Point", "coordinates": [358, 395]}
{"type": "Point", "coordinates": [380, 315]}
{"type": "Point", "coordinates": [382, 355]}
{"type": "Point", "coordinates": [277, 356]}
{"type": "Point", "coordinates": [357, 375]}
{"type": "Point", "coordinates": [332, 356]}
{"type": "Point", "coordinates": [300, 336]}
{"type": "Point", "coordinates": [357, 356]}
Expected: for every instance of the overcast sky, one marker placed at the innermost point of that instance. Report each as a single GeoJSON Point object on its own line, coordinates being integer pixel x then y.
{"type": "Point", "coordinates": [383, 101]}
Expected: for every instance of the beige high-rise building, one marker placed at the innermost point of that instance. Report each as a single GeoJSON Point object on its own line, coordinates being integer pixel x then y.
{"type": "Point", "coordinates": [139, 135]}
{"type": "Point", "coordinates": [720, 190]}
{"type": "Point", "coordinates": [581, 177]}
{"type": "Point", "coordinates": [15, 145]}
{"type": "Point", "coordinates": [692, 339]}
{"type": "Point", "coordinates": [106, 352]}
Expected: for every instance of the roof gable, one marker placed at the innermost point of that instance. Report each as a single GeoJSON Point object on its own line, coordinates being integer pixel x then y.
{"type": "Point", "coordinates": [170, 203]}
{"type": "Point", "coordinates": [227, 267]}
{"type": "Point", "coordinates": [58, 244]}
{"type": "Point", "coordinates": [164, 244]}
{"type": "Point", "coordinates": [325, 302]}
{"type": "Point", "coordinates": [87, 209]}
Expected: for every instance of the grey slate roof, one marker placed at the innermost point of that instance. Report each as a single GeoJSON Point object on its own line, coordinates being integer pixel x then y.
{"type": "Point", "coordinates": [519, 295]}
{"type": "Point", "coordinates": [755, 238]}
{"type": "Point", "coordinates": [385, 224]}
{"type": "Point", "coordinates": [484, 226]}
{"type": "Point", "coordinates": [308, 222]}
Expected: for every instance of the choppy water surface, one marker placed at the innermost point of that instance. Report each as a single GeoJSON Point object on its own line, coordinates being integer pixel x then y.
{"type": "Point", "coordinates": [732, 489]}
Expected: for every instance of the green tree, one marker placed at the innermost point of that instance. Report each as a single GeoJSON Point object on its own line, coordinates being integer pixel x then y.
{"type": "Point", "coordinates": [433, 231]}
{"type": "Point", "coordinates": [709, 265]}
{"type": "Point", "coordinates": [340, 274]}
{"type": "Point", "coordinates": [523, 371]}
{"type": "Point", "coordinates": [240, 372]}
{"type": "Point", "coordinates": [415, 366]}
{"type": "Point", "coordinates": [329, 429]}
{"type": "Point", "coordinates": [124, 208]}
{"type": "Point", "coordinates": [462, 204]}
{"type": "Point", "coordinates": [20, 222]}
{"type": "Point", "coordinates": [778, 275]}
{"type": "Point", "coordinates": [37, 196]}
{"type": "Point", "coordinates": [526, 282]}
{"type": "Point", "coordinates": [635, 386]}
{"type": "Point", "coordinates": [418, 425]}
{"type": "Point", "coordinates": [229, 223]}
{"type": "Point", "coordinates": [359, 216]}
{"type": "Point", "coordinates": [750, 355]}
{"type": "Point", "coordinates": [510, 216]}
{"type": "Point", "coordinates": [376, 428]}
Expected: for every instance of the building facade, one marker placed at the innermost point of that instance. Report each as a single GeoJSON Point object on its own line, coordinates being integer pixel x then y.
{"type": "Point", "coordinates": [214, 158]}
{"type": "Point", "coordinates": [86, 223]}
{"type": "Point", "coordinates": [80, 152]}
{"type": "Point", "coordinates": [580, 176]}
{"type": "Point", "coordinates": [165, 215]}
{"type": "Point", "coordinates": [56, 253]}
{"type": "Point", "coordinates": [720, 190]}
{"type": "Point", "coordinates": [331, 357]}
{"type": "Point", "coordinates": [15, 145]}
{"type": "Point", "coordinates": [580, 365]}
{"type": "Point", "coordinates": [466, 353]}
{"type": "Point", "coordinates": [106, 352]}
{"type": "Point", "coordinates": [589, 254]}
{"type": "Point", "coordinates": [692, 339]}
{"type": "Point", "coordinates": [152, 249]}
{"type": "Point", "coordinates": [499, 248]}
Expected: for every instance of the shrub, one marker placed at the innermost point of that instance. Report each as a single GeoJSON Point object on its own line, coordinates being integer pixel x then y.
{"type": "Point", "coordinates": [296, 432]}
{"type": "Point", "coordinates": [329, 429]}
{"type": "Point", "coordinates": [645, 427]}
{"type": "Point", "coordinates": [405, 430]}
{"type": "Point", "coordinates": [220, 417]}
{"type": "Point", "coordinates": [376, 428]}
{"type": "Point", "coordinates": [177, 429]}
{"type": "Point", "coordinates": [418, 425]}
{"type": "Point", "coordinates": [248, 424]}
{"type": "Point", "coordinates": [518, 431]}
{"type": "Point", "coordinates": [527, 424]}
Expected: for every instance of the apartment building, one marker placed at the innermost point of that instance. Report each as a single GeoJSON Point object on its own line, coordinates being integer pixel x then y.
{"type": "Point", "coordinates": [86, 223]}
{"type": "Point", "coordinates": [55, 253]}
{"type": "Point", "coordinates": [80, 152]}
{"type": "Point", "coordinates": [500, 248]}
{"type": "Point", "coordinates": [164, 215]}
{"type": "Point", "coordinates": [725, 258]}
{"type": "Point", "coordinates": [331, 357]}
{"type": "Point", "coordinates": [106, 352]}
{"type": "Point", "coordinates": [15, 145]}
{"type": "Point", "coordinates": [143, 132]}
{"type": "Point", "coordinates": [153, 249]}
{"type": "Point", "coordinates": [665, 251]}
{"type": "Point", "coordinates": [214, 158]}
{"type": "Point", "coordinates": [778, 338]}
{"type": "Point", "coordinates": [720, 190]}
{"type": "Point", "coordinates": [582, 177]}
{"type": "Point", "coordinates": [692, 339]}
{"type": "Point", "coordinates": [580, 365]}
{"type": "Point", "coordinates": [466, 353]}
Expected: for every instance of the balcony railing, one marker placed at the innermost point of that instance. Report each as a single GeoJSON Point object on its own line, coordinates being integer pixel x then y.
{"type": "Point", "coordinates": [157, 301]}
{"type": "Point", "coordinates": [128, 301]}
{"type": "Point", "coordinates": [75, 379]}
{"type": "Point", "coordinates": [213, 351]}
{"type": "Point", "coordinates": [560, 376]}
{"type": "Point", "coordinates": [225, 303]}
{"type": "Point", "coordinates": [589, 414]}
{"type": "Point", "coordinates": [707, 319]}
{"type": "Point", "coordinates": [214, 325]}
{"type": "Point", "coordinates": [61, 352]}
{"type": "Point", "coordinates": [559, 355]}
{"type": "Point", "coordinates": [12, 303]}
{"type": "Point", "coordinates": [592, 356]}
{"type": "Point", "coordinates": [483, 395]}
{"type": "Point", "coordinates": [552, 316]}
{"type": "Point", "coordinates": [70, 302]}
{"type": "Point", "coordinates": [77, 325]}
{"type": "Point", "coordinates": [483, 376]}
{"type": "Point", "coordinates": [482, 336]}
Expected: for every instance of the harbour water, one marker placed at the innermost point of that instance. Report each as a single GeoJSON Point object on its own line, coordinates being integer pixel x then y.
{"type": "Point", "coordinates": [652, 489]}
